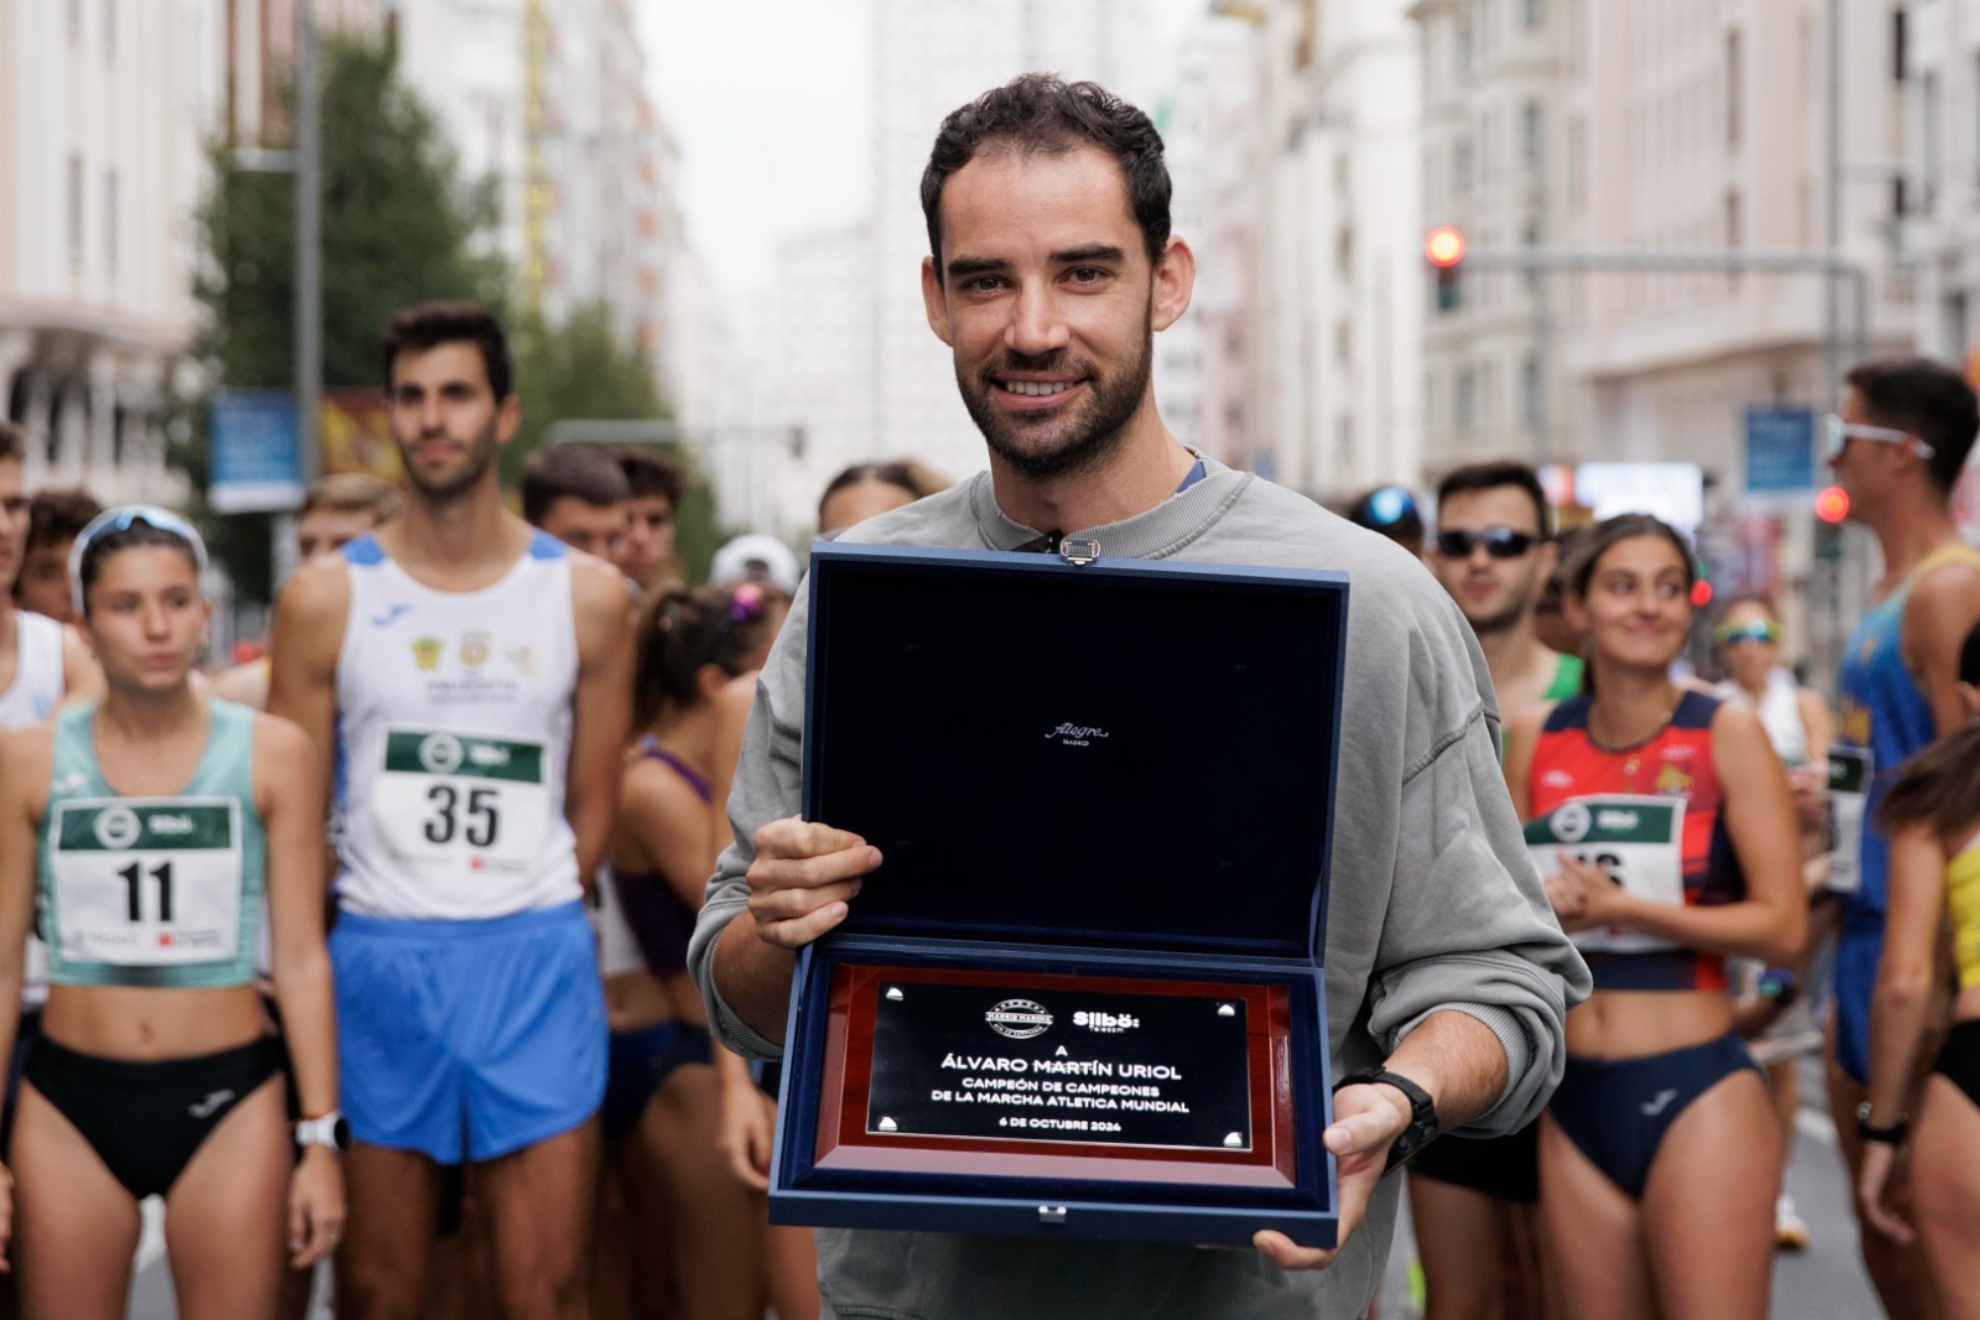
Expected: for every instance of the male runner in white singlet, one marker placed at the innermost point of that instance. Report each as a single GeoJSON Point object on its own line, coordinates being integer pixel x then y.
{"type": "Point", "coordinates": [466, 679]}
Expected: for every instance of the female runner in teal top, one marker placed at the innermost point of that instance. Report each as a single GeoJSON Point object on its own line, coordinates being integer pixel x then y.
{"type": "Point", "coordinates": [150, 832]}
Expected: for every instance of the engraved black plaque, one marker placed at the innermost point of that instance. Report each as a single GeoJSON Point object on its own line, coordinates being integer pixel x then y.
{"type": "Point", "coordinates": [983, 1062]}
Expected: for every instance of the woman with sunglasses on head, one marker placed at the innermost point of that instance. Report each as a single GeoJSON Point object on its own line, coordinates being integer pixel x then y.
{"type": "Point", "coordinates": [151, 830]}
{"type": "Point", "coordinates": [1663, 823]}
{"type": "Point", "coordinates": [1931, 815]}
{"type": "Point", "coordinates": [1774, 1012]}
{"type": "Point", "coordinates": [664, 1107]}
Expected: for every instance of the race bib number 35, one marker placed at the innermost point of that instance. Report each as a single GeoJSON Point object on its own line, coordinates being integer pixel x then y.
{"type": "Point", "coordinates": [454, 806]}
{"type": "Point", "coordinates": [1850, 770]}
{"type": "Point", "coordinates": [1637, 841]}
{"type": "Point", "coordinates": [146, 882]}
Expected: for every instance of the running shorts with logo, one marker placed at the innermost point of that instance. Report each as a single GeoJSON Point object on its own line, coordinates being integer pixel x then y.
{"type": "Point", "coordinates": [470, 1016]}
{"type": "Point", "coordinates": [1883, 711]}
{"type": "Point", "coordinates": [1617, 1111]}
{"type": "Point", "coordinates": [151, 892]}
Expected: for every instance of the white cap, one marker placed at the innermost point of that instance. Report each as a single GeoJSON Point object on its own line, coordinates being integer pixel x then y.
{"type": "Point", "coordinates": [755, 557]}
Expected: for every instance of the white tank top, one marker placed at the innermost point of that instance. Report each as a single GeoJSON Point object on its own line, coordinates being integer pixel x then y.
{"type": "Point", "coordinates": [38, 687]}
{"type": "Point", "coordinates": [453, 737]}
{"type": "Point", "coordinates": [1779, 711]}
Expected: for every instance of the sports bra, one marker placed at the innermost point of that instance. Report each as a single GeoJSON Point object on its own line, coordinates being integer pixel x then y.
{"type": "Point", "coordinates": [662, 923]}
{"type": "Point", "coordinates": [1963, 903]}
{"type": "Point", "coordinates": [153, 891]}
{"type": "Point", "coordinates": [1676, 763]}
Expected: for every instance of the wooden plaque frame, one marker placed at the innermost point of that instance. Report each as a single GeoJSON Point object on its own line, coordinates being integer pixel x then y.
{"type": "Point", "coordinates": [844, 1143]}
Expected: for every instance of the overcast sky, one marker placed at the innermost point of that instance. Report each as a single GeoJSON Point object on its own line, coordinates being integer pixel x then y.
{"type": "Point", "coordinates": [770, 101]}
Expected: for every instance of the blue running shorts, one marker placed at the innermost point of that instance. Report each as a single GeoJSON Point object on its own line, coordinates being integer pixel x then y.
{"type": "Point", "coordinates": [468, 1039]}
{"type": "Point", "coordinates": [1858, 950]}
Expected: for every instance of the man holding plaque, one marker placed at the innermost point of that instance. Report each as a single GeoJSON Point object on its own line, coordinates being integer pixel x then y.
{"type": "Point", "coordinates": [1052, 266]}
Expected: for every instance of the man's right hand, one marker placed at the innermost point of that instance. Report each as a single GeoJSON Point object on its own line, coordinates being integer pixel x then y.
{"type": "Point", "coordinates": [803, 876]}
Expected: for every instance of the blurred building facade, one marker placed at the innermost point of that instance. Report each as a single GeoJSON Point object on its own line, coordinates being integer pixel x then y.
{"type": "Point", "coordinates": [105, 106]}
{"type": "Point", "coordinates": [1652, 128]}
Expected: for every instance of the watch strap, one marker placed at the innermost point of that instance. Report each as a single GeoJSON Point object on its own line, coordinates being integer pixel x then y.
{"type": "Point", "coordinates": [1891, 1135]}
{"type": "Point", "coordinates": [327, 1131]}
{"type": "Point", "coordinates": [1423, 1126]}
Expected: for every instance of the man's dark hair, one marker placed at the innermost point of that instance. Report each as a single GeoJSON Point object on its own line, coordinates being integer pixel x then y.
{"type": "Point", "coordinates": [650, 472]}
{"type": "Point", "coordinates": [13, 442]}
{"type": "Point", "coordinates": [1491, 476]}
{"type": "Point", "coordinates": [1930, 400]}
{"type": "Point", "coordinates": [583, 472]}
{"type": "Point", "coordinates": [58, 516]}
{"type": "Point", "coordinates": [1041, 113]}
{"type": "Point", "coordinates": [431, 324]}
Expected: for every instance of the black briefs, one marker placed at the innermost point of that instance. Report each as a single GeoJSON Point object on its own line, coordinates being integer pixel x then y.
{"type": "Point", "coordinates": [147, 1120]}
{"type": "Point", "coordinates": [1959, 1058]}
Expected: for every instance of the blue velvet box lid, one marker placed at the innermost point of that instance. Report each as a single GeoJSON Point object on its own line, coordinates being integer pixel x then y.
{"type": "Point", "coordinates": [1132, 754]}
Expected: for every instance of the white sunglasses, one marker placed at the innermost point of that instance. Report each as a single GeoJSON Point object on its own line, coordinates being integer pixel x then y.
{"type": "Point", "coordinates": [1837, 433]}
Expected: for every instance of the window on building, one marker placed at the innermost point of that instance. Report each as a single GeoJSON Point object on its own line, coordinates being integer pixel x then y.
{"type": "Point", "coordinates": [1533, 145]}
{"type": "Point", "coordinates": [1735, 236]}
{"type": "Point", "coordinates": [75, 20]}
{"type": "Point", "coordinates": [1532, 407]}
{"type": "Point", "coordinates": [1464, 402]}
{"type": "Point", "coordinates": [1534, 14]}
{"type": "Point", "coordinates": [1344, 253]}
{"type": "Point", "coordinates": [1578, 165]}
{"type": "Point", "coordinates": [1461, 168]}
{"type": "Point", "coordinates": [1928, 139]}
{"type": "Point", "coordinates": [1344, 343]}
{"type": "Point", "coordinates": [1462, 46]}
{"type": "Point", "coordinates": [75, 210]}
{"type": "Point", "coordinates": [110, 222]}
{"type": "Point", "coordinates": [1900, 43]}
{"type": "Point", "coordinates": [1344, 464]}
{"type": "Point", "coordinates": [1952, 315]}
{"type": "Point", "coordinates": [1733, 88]}
{"type": "Point", "coordinates": [109, 29]}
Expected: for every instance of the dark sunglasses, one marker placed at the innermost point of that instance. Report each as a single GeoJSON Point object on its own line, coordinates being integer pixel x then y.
{"type": "Point", "coordinates": [1499, 542]}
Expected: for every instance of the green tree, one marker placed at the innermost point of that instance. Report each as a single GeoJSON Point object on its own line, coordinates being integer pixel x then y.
{"type": "Point", "coordinates": [399, 226]}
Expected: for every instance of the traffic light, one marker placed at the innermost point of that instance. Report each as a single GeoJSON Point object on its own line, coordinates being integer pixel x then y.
{"type": "Point", "coordinates": [1832, 504]}
{"type": "Point", "coordinates": [1444, 250]}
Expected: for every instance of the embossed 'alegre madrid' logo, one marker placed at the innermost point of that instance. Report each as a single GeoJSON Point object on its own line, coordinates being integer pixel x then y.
{"type": "Point", "coordinates": [1078, 735]}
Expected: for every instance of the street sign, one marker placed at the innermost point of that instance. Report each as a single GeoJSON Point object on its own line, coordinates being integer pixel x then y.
{"type": "Point", "coordinates": [1780, 450]}
{"type": "Point", "coordinates": [256, 467]}
{"type": "Point", "coordinates": [1674, 492]}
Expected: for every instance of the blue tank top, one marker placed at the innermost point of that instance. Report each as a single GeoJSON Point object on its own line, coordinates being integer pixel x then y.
{"type": "Point", "coordinates": [1884, 710]}
{"type": "Point", "coordinates": [153, 891]}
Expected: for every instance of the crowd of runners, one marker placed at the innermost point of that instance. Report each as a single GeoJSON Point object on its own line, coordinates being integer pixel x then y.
{"type": "Point", "coordinates": [377, 950]}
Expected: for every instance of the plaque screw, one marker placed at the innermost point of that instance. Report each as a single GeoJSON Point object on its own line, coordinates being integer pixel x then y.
{"type": "Point", "coordinates": [889, 1125]}
{"type": "Point", "coordinates": [894, 993]}
{"type": "Point", "coordinates": [1226, 1010]}
{"type": "Point", "coordinates": [1234, 1140]}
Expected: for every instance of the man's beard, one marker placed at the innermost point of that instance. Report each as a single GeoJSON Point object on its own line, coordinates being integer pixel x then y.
{"type": "Point", "coordinates": [1074, 443]}
{"type": "Point", "coordinates": [1519, 598]}
{"type": "Point", "coordinates": [480, 456]}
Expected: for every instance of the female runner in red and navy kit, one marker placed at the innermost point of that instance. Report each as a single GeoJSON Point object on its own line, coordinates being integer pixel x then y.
{"type": "Point", "coordinates": [1659, 1156]}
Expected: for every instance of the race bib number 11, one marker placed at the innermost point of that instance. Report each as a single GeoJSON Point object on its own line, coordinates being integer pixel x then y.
{"type": "Point", "coordinates": [1637, 841]}
{"type": "Point", "coordinates": [146, 882]}
{"type": "Point", "coordinates": [454, 806]}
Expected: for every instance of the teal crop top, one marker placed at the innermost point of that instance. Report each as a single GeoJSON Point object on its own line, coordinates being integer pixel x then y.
{"type": "Point", "coordinates": [152, 891]}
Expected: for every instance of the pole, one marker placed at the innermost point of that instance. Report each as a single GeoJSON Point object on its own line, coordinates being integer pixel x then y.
{"type": "Point", "coordinates": [1832, 363]}
{"type": "Point", "coordinates": [309, 240]}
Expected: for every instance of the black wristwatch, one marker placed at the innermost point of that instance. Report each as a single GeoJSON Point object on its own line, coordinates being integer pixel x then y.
{"type": "Point", "coordinates": [1893, 1135]}
{"type": "Point", "coordinates": [1422, 1129]}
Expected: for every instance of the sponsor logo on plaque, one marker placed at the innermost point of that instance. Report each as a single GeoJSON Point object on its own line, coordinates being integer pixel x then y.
{"type": "Point", "coordinates": [1110, 1023]}
{"type": "Point", "coordinates": [117, 828]}
{"type": "Point", "coordinates": [1572, 822]}
{"type": "Point", "coordinates": [1020, 1019]}
{"type": "Point", "coordinates": [1077, 735]}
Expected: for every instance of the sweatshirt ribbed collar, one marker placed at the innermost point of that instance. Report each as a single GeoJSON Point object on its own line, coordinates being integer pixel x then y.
{"type": "Point", "coordinates": [1153, 534]}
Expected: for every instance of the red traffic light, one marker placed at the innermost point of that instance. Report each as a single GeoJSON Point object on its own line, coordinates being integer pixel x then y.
{"type": "Point", "coordinates": [1444, 248]}
{"type": "Point", "coordinates": [1832, 504]}
{"type": "Point", "coordinates": [1701, 594]}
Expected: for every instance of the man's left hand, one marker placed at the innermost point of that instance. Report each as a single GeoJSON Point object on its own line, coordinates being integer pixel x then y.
{"type": "Point", "coordinates": [1367, 1121]}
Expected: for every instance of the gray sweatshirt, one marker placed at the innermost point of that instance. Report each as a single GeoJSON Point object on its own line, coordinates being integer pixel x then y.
{"type": "Point", "coordinates": [1433, 904]}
